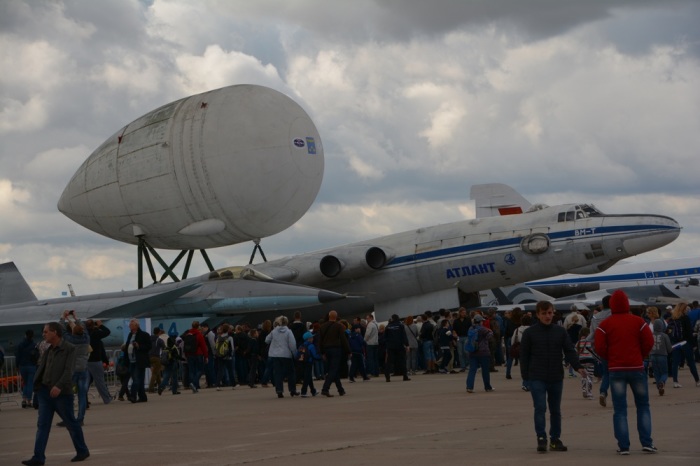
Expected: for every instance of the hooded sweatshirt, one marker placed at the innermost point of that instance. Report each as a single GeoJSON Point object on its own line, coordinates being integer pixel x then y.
{"type": "Point", "coordinates": [623, 339]}
{"type": "Point", "coordinates": [282, 343]}
{"type": "Point", "coordinates": [662, 343]}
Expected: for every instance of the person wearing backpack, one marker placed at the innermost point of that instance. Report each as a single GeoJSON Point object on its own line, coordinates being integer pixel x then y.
{"type": "Point", "coordinates": [478, 340]}
{"type": "Point", "coordinates": [681, 333]}
{"type": "Point", "coordinates": [223, 354]}
{"type": "Point", "coordinates": [170, 366]}
{"type": "Point", "coordinates": [27, 358]}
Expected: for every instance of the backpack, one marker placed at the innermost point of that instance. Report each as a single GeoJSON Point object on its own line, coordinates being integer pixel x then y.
{"type": "Point", "coordinates": [190, 343]}
{"type": "Point", "coordinates": [122, 366]}
{"type": "Point", "coordinates": [302, 353]}
{"type": "Point", "coordinates": [165, 356]}
{"type": "Point", "coordinates": [515, 347]}
{"type": "Point", "coordinates": [223, 347]}
{"type": "Point", "coordinates": [34, 355]}
{"type": "Point", "coordinates": [675, 330]}
{"type": "Point", "coordinates": [472, 343]}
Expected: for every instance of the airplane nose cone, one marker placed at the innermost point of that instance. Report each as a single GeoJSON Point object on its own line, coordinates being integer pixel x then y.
{"type": "Point", "coordinates": [658, 232]}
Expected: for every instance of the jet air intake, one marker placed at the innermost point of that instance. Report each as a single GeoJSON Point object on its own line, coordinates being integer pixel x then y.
{"type": "Point", "coordinates": [354, 262]}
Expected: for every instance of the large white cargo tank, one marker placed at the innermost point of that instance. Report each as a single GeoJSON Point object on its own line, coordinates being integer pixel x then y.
{"type": "Point", "coordinates": [223, 167]}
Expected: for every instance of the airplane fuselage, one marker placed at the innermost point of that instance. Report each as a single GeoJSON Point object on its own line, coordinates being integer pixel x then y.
{"type": "Point", "coordinates": [476, 254]}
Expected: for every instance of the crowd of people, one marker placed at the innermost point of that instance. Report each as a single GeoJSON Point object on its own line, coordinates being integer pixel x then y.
{"type": "Point", "coordinates": [543, 344]}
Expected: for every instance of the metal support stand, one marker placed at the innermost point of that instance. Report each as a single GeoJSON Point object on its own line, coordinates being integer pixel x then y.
{"type": "Point", "coordinates": [145, 251]}
{"type": "Point", "coordinates": [257, 248]}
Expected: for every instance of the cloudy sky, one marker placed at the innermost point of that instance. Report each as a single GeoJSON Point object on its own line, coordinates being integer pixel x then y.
{"type": "Point", "coordinates": [565, 100]}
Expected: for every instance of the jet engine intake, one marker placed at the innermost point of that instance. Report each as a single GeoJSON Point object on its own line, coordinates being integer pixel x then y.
{"type": "Point", "coordinates": [354, 262]}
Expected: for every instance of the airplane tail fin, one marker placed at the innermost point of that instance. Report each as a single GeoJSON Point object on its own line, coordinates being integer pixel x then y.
{"type": "Point", "coordinates": [494, 199]}
{"type": "Point", "coordinates": [512, 295]}
{"type": "Point", "coordinates": [13, 287]}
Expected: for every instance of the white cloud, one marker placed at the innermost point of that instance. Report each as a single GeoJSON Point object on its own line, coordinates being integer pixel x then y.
{"type": "Point", "coordinates": [217, 68]}
{"type": "Point", "coordinates": [413, 104]}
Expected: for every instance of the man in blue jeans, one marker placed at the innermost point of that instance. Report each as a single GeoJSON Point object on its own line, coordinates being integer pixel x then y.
{"type": "Point", "coordinates": [624, 341]}
{"type": "Point", "coordinates": [54, 389]}
{"type": "Point", "coordinates": [541, 349]}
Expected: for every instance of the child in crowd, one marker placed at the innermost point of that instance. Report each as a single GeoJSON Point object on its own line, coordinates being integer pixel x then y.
{"type": "Point", "coordinates": [311, 355]}
{"type": "Point", "coordinates": [587, 360]}
{"type": "Point", "coordinates": [659, 355]}
{"type": "Point", "coordinates": [122, 371]}
{"type": "Point", "coordinates": [358, 347]}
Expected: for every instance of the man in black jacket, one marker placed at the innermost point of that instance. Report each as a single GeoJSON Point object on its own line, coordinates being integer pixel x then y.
{"type": "Point", "coordinates": [138, 345]}
{"type": "Point", "coordinates": [396, 348]}
{"type": "Point", "coordinates": [333, 343]}
{"type": "Point", "coordinates": [541, 349]}
{"type": "Point", "coordinates": [426, 339]}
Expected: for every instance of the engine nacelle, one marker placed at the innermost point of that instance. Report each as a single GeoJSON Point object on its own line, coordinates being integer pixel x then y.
{"type": "Point", "coordinates": [354, 262]}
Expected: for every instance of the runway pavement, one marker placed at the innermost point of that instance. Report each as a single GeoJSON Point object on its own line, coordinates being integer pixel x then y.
{"type": "Point", "coordinates": [430, 420]}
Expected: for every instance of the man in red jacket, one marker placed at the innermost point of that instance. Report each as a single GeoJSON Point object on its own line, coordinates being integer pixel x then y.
{"type": "Point", "coordinates": [624, 341]}
{"type": "Point", "coordinates": [197, 354]}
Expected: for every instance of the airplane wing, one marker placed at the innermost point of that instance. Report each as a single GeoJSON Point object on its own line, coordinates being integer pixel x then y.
{"type": "Point", "coordinates": [145, 305]}
{"type": "Point", "coordinates": [107, 306]}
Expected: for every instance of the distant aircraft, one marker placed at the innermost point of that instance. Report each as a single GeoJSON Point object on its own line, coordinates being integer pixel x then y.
{"type": "Point", "coordinates": [670, 272]}
{"type": "Point", "coordinates": [223, 293]}
{"type": "Point", "coordinates": [428, 268]}
{"type": "Point", "coordinates": [658, 283]}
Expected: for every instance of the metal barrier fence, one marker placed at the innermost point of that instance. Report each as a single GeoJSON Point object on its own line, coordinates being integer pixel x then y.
{"type": "Point", "coordinates": [10, 383]}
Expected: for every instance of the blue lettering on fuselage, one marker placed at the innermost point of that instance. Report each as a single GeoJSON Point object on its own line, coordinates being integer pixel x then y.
{"type": "Point", "coordinates": [469, 270]}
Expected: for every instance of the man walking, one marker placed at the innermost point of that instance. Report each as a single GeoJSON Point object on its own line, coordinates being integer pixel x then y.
{"type": "Point", "coordinates": [624, 341]}
{"type": "Point", "coordinates": [54, 389]}
{"type": "Point", "coordinates": [333, 343]}
{"type": "Point", "coordinates": [97, 332]}
{"type": "Point", "coordinates": [541, 349]}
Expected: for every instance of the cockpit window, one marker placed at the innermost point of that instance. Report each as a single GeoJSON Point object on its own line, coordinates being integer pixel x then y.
{"type": "Point", "coordinates": [591, 210]}
{"type": "Point", "coordinates": [238, 273]}
{"type": "Point", "coordinates": [579, 212]}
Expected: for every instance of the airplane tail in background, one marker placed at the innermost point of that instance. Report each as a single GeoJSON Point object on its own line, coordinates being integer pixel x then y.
{"type": "Point", "coordinates": [13, 287]}
{"type": "Point", "coordinates": [494, 199]}
{"type": "Point", "coordinates": [512, 295]}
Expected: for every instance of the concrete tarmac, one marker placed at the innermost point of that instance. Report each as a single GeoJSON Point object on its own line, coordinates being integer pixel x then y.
{"type": "Point", "coordinates": [429, 420]}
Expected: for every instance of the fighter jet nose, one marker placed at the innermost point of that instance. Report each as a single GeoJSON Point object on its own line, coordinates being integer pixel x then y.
{"type": "Point", "coordinates": [660, 231]}
{"type": "Point", "coordinates": [325, 296]}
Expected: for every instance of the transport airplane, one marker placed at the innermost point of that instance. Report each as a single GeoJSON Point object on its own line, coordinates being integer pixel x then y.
{"type": "Point", "coordinates": [428, 268]}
